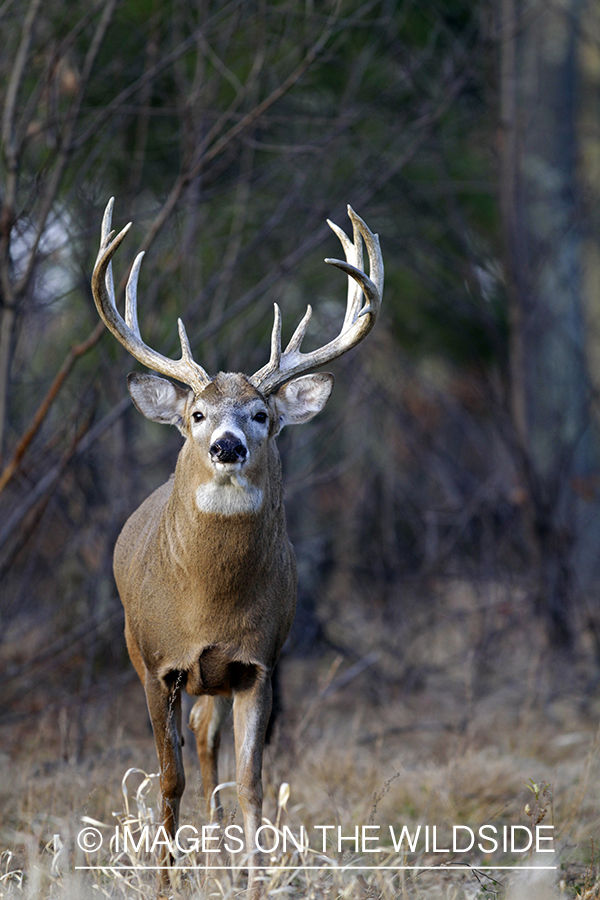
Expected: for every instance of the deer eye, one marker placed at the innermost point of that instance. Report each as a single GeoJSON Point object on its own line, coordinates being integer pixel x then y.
{"type": "Point", "coordinates": [197, 416]}
{"type": "Point", "coordinates": [260, 417]}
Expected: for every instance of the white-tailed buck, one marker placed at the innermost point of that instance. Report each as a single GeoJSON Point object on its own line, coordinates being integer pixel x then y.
{"type": "Point", "coordinates": [204, 567]}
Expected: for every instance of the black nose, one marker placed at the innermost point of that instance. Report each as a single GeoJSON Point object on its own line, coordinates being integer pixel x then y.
{"type": "Point", "coordinates": [228, 449]}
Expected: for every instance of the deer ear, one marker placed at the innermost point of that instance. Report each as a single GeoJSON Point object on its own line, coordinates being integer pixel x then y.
{"type": "Point", "coordinates": [158, 399]}
{"type": "Point", "coordinates": [301, 399]}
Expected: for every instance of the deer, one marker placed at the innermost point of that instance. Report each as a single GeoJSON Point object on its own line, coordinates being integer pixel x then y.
{"type": "Point", "coordinates": [204, 567]}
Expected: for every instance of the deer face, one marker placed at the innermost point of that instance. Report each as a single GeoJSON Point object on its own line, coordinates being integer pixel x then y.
{"type": "Point", "coordinates": [229, 425]}
{"type": "Point", "coordinates": [229, 422]}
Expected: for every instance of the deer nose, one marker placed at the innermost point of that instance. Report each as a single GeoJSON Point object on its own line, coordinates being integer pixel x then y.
{"type": "Point", "coordinates": [228, 449]}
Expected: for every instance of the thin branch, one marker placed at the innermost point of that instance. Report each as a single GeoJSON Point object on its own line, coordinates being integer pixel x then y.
{"type": "Point", "coordinates": [109, 111]}
{"type": "Point", "coordinates": [205, 156]}
{"type": "Point", "coordinates": [66, 144]}
{"type": "Point", "coordinates": [76, 351]}
{"type": "Point", "coordinates": [18, 69]}
{"type": "Point", "coordinates": [47, 483]}
{"type": "Point", "coordinates": [49, 71]}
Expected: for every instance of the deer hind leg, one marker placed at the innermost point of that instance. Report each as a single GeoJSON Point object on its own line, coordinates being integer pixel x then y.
{"type": "Point", "coordinates": [164, 704]}
{"type": "Point", "coordinates": [206, 719]}
{"type": "Point", "coordinates": [251, 711]}
{"type": "Point", "coordinates": [134, 653]}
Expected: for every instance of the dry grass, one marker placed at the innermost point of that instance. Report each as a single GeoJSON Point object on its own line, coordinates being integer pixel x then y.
{"type": "Point", "coordinates": [504, 737]}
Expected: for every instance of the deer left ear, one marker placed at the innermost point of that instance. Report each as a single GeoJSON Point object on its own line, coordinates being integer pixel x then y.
{"type": "Point", "coordinates": [300, 400]}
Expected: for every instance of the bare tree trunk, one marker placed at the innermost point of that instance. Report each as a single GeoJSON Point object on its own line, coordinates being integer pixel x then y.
{"type": "Point", "coordinates": [6, 331]}
{"type": "Point", "coordinates": [544, 245]}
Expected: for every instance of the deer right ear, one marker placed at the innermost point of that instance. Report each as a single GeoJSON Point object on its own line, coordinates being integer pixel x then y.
{"type": "Point", "coordinates": [158, 399]}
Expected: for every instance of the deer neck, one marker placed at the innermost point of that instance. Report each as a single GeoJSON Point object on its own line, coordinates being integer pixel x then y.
{"type": "Point", "coordinates": [229, 544]}
{"type": "Point", "coordinates": [201, 491]}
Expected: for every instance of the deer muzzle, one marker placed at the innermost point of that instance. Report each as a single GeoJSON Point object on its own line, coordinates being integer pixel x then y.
{"type": "Point", "coordinates": [228, 449]}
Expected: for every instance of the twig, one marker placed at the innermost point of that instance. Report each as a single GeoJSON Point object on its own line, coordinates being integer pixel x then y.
{"type": "Point", "coordinates": [331, 684]}
{"type": "Point", "coordinates": [47, 482]}
{"type": "Point", "coordinates": [316, 700]}
{"type": "Point", "coordinates": [73, 355]}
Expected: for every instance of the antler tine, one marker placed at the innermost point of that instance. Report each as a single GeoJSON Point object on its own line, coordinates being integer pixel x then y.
{"type": "Point", "coordinates": [358, 319]}
{"type": "Point", "coordinates": [276, 337]}
{"type": "Point", "coordinates": [105, 237]}
{"type": "Point", "coordinates": [354, 290]}
{"type": "Point", "coordinates": [272, 366]}
{"type": "Point", "coordinates": [131, 295]}
{"type": "Point", "coordinates": [106, 233]}
{"type": "Point", "coordinates": [186, 350]}
{"type": "Point", "coordinates": [354, 256]}
{"type": "Point", "coordinates": [371, 287]}
{"type": "Point", "coordinates": [298, 336]}
{"type": "Point", "coordinates": [127, 330]}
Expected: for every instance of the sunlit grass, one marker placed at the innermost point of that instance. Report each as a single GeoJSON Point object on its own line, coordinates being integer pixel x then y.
{"type": "Point", "coordinates": [519, 753]}
{"type": "Point", "coordinates": [332, 785]}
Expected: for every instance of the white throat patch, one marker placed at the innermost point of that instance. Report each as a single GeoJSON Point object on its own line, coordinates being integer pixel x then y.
{"type": "Point", "coordinates": [231, 497]}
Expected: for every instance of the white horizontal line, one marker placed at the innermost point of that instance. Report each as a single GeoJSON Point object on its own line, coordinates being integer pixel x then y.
{"type": "Point", "coordinates": [268, 867]}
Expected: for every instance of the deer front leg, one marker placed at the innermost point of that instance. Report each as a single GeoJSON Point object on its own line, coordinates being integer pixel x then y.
{"type": "Point", "coordinates": [164, 705]}
{"type": "Point", "coordinates": [206, 720]}
{"type": "Point", "coordinates": [251, 711]}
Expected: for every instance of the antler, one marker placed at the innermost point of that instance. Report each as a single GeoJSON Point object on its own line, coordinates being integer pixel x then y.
{"type": "Point", "coordinates": [357, 321]}
{"type": "Point", "coordinates": [127, 331]}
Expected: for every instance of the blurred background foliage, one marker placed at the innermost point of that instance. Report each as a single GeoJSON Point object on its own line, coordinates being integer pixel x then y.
{"type": "Point", "coordinates": [461, 439]}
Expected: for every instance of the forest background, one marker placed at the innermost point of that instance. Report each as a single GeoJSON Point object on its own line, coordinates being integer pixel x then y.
{"type": "Point", "coordinates": [445, 508]}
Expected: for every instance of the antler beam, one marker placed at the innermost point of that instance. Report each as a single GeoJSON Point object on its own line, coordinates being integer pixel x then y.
{"type": "Point", "coordinates": [127, 330]}
{"type": "Point", "coordinates": [358, 320]}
